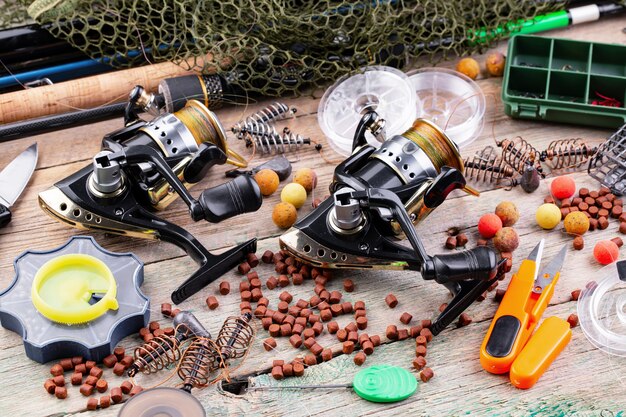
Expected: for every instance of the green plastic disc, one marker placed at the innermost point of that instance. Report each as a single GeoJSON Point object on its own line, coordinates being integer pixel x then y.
{"type": "Point", "coordinates": [384, 384]}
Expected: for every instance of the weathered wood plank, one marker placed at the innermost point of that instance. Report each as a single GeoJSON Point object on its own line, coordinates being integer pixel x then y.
{"type": "Point", "coordinates": [583, 380]}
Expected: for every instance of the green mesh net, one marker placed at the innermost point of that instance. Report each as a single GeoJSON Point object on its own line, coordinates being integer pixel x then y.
{"type": "Point", "coordinates": [277, 46]}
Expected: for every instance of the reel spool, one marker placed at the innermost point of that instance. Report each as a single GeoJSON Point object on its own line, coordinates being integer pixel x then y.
{"type": "Point", "coordinates": [385, 90]}
{"type": "Point", "coordinates": [163, 402]}
{"type": "Point", "coordinates": [452, 101]}
{"type": "Point", "coordinates": [602, 310]}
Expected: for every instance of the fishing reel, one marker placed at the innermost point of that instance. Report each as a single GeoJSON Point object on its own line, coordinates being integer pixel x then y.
{"type": "Point", "coordinates": [141, 169]}
{"type": "Point", "coordinates": [377, 195]}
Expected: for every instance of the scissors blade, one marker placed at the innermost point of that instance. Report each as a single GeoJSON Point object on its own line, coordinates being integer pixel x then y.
{"type": "Point", "coordinates": [15, 176]}
{"type": "Point", "coordinates": [547, 274]}
{"type": "Point", "coordinates": [535, 256]}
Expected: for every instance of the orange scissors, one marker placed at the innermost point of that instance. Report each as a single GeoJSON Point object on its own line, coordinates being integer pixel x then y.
{"type": "Point", "coordinates": [508, 345]}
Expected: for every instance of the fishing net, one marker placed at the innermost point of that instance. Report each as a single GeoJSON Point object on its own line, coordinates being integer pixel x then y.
{"type": "Point", "coordinates": [277, 46]}
{"type": "Point", "coordinates": [13, 13]}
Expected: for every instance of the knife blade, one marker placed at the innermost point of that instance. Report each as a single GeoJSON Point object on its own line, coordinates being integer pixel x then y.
{"type": "Point", "coordinates": [14, 178]}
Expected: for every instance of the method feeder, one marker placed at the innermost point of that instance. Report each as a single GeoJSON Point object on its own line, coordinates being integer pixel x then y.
{"type": "Point", "coordinates": [377, 195]}
{"type": "Point", "coordinates": [141, 169]}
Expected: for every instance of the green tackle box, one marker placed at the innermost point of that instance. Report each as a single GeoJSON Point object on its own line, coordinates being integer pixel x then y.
{"type": "Point", "coordinates": [562, 80]}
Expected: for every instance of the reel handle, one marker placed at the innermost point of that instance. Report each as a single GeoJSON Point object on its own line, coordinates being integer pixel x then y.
{"type": "Point", "coordinates": [241, 195]}
{"type": "Point", "coordinates": [479, 263]}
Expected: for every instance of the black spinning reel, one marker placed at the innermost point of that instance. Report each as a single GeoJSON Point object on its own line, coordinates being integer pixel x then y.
{"type": "Point", "coordinates": [377, 197]}
{"type": "Point", "coordinates": [141, 169]}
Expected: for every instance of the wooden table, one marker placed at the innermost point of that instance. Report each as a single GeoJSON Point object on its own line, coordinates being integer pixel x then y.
{"type": "Point", "coordinates": [582, 381]}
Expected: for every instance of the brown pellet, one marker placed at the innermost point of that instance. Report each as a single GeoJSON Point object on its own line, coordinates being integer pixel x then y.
{"type": "Point", "coordinates": [326, 315]}
{"type": "Point", "coordinates": [603, 223]}
{"type": "Point", "coordinates": [259, 312]}
{"type": "Point", "coordinates": [278, 362]}
{"type": "Point", "coordinates": [269, 344]}
{"type": "Point", "coordinates": [583, 206]}
{"type": "Point", "coordinates": [603, 213]}
{"type": "Point", "coordinates": [119, 369]}
{"type": "Point", "coordinates": [391, 300]}
{"type": "Point", "coordinates": [593, 211]}
{"type": "Point", "coordinates": [576, 201]}
{"type": "Point", "coordinates": [56, 370]}
{"type": "Point", "coordinates": [158, 333]}
{"type": "Point", "coordinates": [126, 387]}
{"type": "Point", "coordinates": [116, 395]}
{"type": "Point", "coordinates": [286, 297]}
{"type": "Point", "coordinates": [283, 306]}
{"type": "Point", "coordinates": [91, 380]}
{"type": "Point", "coordinates": [271, 283]}
{"type": "Point", "coordinates": [274, 330]}
{"type": "Point", "coordinates": [92, 404]}
{"type": "Point", "coordinates": [426, 323]}
{"type": "Point", "coordinates": [583, 192]}
{"type": "Point", "coordinates": [313, 318]}
{"type": "Point", "coordinates": [403, 334]}
{"type": "Point", "coordinates": [347, 308]}
{"type": "Point", "coordinates": [318, 328]}
{"type": "Point", "coordinates": [594, 194]}
{"type": "Point", "coordinates": [616, 211]}
{"type": "Point", "coordinates": [86, 390]}
{"type": "Point", "coordinates": [288, 369]}
{"type": "Point", "coordinates": [105, 401]}
{"type": "Point", "coordinates": [622, 227]}
{"type": "Point", "coordinates": [267, 257]}
{"type": "Point", "coordinates": [605, 205]}
{"type": "Point", "coordinates": [283, 280]}
{"type": "Point", "coordinates": [212, 302]}
{"type": "Point", "coordinates": [361, 323]}
{"type": "Point", "coordinates": [375, 339]}
{"type": "Point", "coordinates": [119, 352]}
{"type": "Point", "coordinates": [76, 378]}
{"type": "Point", "coordinates": [419, 363]}
{"type": "Point", "coordinates": [348, 285]}
{"type": "Point", "coordinates": [127, 361]}
{"type": "Point", "coordinates": [66, 364]}
{"type": "Point", "coordinates": [297, 329]}
{"type": "Point", "coordinates": [461, 240]}
{"type": "Point", "coordinates": [310, 359]}
{"type": "Point", "coordinates": [49, 386]}
{"type": "Point", "coordinates": [309, 342]}
{"type": "Point", "coordinates": [342, 335]}
{"type": "Point", "coordinates": [335, 297]}
{"type": "Point", "coordinates": [427, 334]}
{"type": "Point", "coordinates": [499, 294]}
{"type": "Point", "coordinates": [359, 358]}
{"type": "Point", "coordinates": [298, 369]}
{"type": "Point", "coordinates": [136, 390]}
{"type": "Point", "coordinates": [327, 355]}
{"type": "Point", "coordinates": [426, 374]}
{"type": "Point", "coordinates": [353, 336]}
{"type": "Point", "coordinates": [110, 361]}
{"type": "Point", "coordinates": [316, 349]}
{"type": "Point", "coordinates": [60, 392]}
{"type": "Point", "coordinates": [245, 296]}
{"type": "Point", "coordinates": [572, 320]}
{"type": "Point", "coordinates": [95, 371]}
{"type": "Point", "coordinates": [297, 279]}
{"type": "Point", "coordinates": [392, 332]}
{"type": "Point", "coordinates": [406, 318]}
{"type": "Point", "coordinates": [368, 347]}
{"type": "Point", "coordinates": [332, 327]}
{"type": "Point", "coordinates": [175, 312]}
{"type": "Point", "coordinates": [548, 200]}
{"type": "Point", "coordinates": [420, 340]}
{"type": "Point", "coordinates": [579, 243]}
{"type": "Point", "coordinates": [102, 385]}
{"type": "Point", "coordinates": [81, 368]}
{"type": "Point", "coordinates": [603, 190]}
{"type": "Point", "coordinates": [564, 212]}
{"type": "Point", "coordinates": [420, 350]}
{"type": "Point", "coordinates": [252, 260]}
{"type": "Point", "coordinates": [295, 340]}
{"type": "Point", "coordinates": [593, 224]}
{"type": "Point", "coordinates": [450, 242]}
{"type": "Point", "coordinates": [77, 360]}
{"type": "Point", "coordinates": [566, 202]}
{"type": "Point", "coordinates": [464, 319]}
{"type": "Point", "coordinates": [414, 331]}
{"type": "Point", "coordinates": [336, 309]}
{"type": "Point", "coordinates": [280, 267]}
{"type": "Point", "coordinates": [244, 268]}
{"type": "Point", "coordinates": [245, 305]}
{"type": "Point", "coordinates": [59, 381]}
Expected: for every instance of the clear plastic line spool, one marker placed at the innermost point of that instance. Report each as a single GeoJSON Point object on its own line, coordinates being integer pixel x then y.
{"type": "Point", "coordinates": [452, 101]}
{"type": "Point", "coordinates": [602, 310]}
{"type": "Point", "coordinates": [383, 89]}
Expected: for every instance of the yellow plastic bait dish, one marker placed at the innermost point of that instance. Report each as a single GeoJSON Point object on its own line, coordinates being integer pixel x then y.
{"type": "Point", "coordinates": [74, 289]}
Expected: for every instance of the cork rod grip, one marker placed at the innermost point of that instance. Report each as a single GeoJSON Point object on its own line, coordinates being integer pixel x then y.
{"type": "Point", "coordinates": [83, 93]}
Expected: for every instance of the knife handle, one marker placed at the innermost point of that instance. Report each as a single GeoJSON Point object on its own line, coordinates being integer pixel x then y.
{"type": "Point", "coordinates": [5, 215]}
